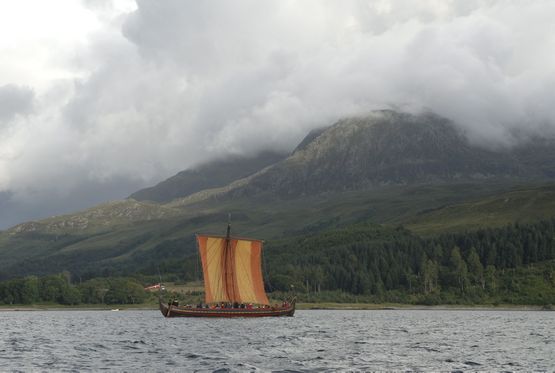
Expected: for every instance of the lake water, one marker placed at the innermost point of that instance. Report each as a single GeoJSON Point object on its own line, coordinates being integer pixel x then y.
{"type": "Point", "coordinates": [310, 341]}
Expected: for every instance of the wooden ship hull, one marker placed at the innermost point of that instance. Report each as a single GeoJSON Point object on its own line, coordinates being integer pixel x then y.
{"type": "Point", "coordinates": [180, 311]}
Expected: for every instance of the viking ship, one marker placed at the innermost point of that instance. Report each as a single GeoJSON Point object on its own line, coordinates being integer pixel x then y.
{"type": "Point", "coordinates": [233, 283]}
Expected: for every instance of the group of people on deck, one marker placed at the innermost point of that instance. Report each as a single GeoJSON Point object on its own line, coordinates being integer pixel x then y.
{"type": "Point", "coordinates": [235, 305]}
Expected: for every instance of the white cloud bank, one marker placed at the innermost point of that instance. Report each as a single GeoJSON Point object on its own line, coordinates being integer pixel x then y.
{"type": "Point", "coordinates": [115, 95]}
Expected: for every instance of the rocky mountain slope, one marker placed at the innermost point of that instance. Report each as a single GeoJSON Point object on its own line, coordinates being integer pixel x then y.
{"type": "Point", "coordinates": [390, 148]}
{"type": "Point", "coordinates": [214, 174]}
{"type": "Point", "coordinates": [99, 218]}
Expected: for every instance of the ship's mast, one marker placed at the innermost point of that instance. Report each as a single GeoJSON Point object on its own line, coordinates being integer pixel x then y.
{"type": "Point", "coordinates": [228, 234]}
{"type": "Point", "coordinates": [228, 257]}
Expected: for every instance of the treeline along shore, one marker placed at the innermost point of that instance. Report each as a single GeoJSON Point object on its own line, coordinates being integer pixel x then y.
{"type": "Point", "coordinates": [362, 263]}
{"type": "Point", "coordinates": [58, 289]}
{"type": "Point", "coordinates": [370, 263]}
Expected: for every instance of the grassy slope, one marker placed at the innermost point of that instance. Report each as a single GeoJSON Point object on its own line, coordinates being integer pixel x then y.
{"type": "Point", "coordinates": [520, 205]}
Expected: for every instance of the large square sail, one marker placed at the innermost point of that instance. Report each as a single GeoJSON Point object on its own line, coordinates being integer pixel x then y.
{"type": "Point", "coordinates": [232, 269]}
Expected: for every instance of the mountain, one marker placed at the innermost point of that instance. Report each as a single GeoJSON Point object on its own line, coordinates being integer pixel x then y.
{"type": "Point", "coordinates": [391, 148]}
{"type": "Point", "coordinates": [206, 176]}
{"type": "Point", "coordinates": [387, 168]}
{"type": "Point", "coordinates": [382, 149]}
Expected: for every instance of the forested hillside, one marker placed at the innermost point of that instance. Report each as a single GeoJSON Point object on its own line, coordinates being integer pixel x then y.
{"type": "Point", "coordinates": [363, 262]}
{"type": "Point", "coordinates": [513, 264]}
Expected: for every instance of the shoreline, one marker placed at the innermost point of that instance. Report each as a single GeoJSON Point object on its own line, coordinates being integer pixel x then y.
{"type": "Point", "coordinates": [414, 307]}
{"type": "Point", "coordinates": [85, 307]}
{"type": "Point", "coordinates": [300, 306]}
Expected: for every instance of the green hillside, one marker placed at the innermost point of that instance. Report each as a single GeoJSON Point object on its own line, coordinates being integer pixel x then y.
{"type": "Point", "coordinates": [363, 262]}
{"type": "Point", "coordinates": [106, 243]}
{"type": "Point", "coordinates": [519, 205]}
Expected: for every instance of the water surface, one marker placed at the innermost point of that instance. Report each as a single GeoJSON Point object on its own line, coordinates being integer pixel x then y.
{"type": "Point", "coordinates": [310, 341]}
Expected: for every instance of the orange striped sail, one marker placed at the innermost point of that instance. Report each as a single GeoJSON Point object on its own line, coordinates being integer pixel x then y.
{"type": "Point", "coordinates": [232, 269]}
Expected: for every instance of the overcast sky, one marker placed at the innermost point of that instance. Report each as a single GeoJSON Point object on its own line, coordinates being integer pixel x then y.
{"type": "Point", "coordinates": [102, 97]}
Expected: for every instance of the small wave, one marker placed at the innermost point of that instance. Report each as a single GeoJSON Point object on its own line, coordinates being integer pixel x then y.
{"type": "Point", "coordinates": [222, 370]}
{"type": "Point", "coordinates": [472, 363]}
{"type": "Point", "coordinates": [426, 348]}
{"type": "Point", "coordinates": [84, 349]}
{"type": "Point", "coordinates": [128, 347]}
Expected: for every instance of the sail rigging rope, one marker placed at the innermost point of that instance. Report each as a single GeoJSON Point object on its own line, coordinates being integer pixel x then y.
{"type": "Point", "coordinates": [265, 269]}
{"type": "Point", "coordinates": [197, 277]}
